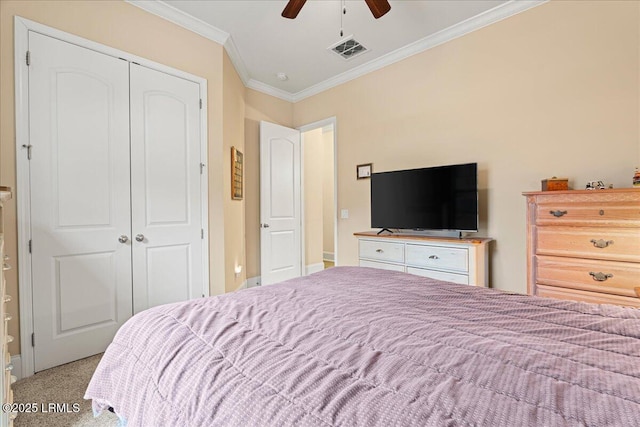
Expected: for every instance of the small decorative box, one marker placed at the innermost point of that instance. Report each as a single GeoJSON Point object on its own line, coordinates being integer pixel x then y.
{"type": "Point", "coordinates": [555, 184]}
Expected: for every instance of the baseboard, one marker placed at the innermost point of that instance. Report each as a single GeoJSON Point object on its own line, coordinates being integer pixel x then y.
{"type": "Point", "coordinates": [314, 268]}
{"type": "Point", "coordinates": [252, 282]}
{"type": "Point", "coordinates": [328, 256]}
{"type": "Point", "coordinates": [16, 361]}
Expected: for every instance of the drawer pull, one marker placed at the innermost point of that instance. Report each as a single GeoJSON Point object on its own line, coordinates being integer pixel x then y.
{"type": "Point", "coordinates": [379, 251]}
{"type": "Point", "coordinates": [600, 276]}
{"type": "Point", "coordinates": [6, 267]}
{"type": "Point", "coordinates": [8, 339]}
{"type": "Point", "coordinates": [600, 243]}
{"type": "Point", "coordinates": [6, 258]}
{"type": "Point", "coordinates": [434, 257]}
{"type": "Point", "coordinates": [7, 298]}
{"type": "Point", "coordinates": [7, 317]}
{"type": "Point", "coordinates": [558, 214]}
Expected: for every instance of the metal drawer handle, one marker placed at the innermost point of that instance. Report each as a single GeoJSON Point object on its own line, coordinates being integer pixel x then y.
{"type": "Point", "coordinates": [379, 251]}
{"type": "Point", "coordinates": [434, 257]}
{"type": "Point", "coordinates": [600, 243]}
{"type": "Point", "coordinates": [558, 214]}
{"type": "Point", "coordinates": [600, 276]}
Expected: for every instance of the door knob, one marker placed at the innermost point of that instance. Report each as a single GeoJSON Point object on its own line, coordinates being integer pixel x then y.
{"type": "Point", "coordinates": [140, 237]}
{"type": "Point", "coordinates": [265, 225]}
{"type": "Point", "coordinates": [123, 239]}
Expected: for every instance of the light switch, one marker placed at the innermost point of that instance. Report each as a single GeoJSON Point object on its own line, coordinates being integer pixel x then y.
{"type": "Point", "coordinates": [344, 213]}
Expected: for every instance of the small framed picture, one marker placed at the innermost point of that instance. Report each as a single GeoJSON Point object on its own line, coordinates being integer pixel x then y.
{"type": "Point", "coordinates": [364, 171]}
{"type": "Point", "coordinates": [236, 174]}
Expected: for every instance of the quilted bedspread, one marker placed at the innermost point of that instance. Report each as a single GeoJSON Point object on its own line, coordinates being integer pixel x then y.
{"type": "Point", "coordinates": [354, 346]}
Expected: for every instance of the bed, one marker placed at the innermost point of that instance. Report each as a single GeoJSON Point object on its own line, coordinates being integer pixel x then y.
{"type": "Point", "coordinates": [353, 346]}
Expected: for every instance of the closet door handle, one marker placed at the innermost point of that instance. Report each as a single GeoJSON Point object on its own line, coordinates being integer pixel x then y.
{"type": "Point", "coordinates": [140, 237]}
{"type": "Point", "coordinates": [123, 239]}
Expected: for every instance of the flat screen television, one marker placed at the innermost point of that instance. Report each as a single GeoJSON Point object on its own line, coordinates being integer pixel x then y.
{"type": "Point", "coordinates": [434, 198]}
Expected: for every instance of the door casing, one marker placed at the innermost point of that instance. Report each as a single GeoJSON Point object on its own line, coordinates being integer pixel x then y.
{"type": "Point", "coordinates": [22, 27]}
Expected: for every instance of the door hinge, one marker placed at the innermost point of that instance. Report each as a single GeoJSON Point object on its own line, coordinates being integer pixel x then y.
{"type": "Point", "coordinates": [202, 233]}
{"type": "Point", "coordinates": [201, 167]}
{"type": "Point", "coordinates": [29, 245]}
{"type": "Point", "coordinates": [201, 104]}
{"type": "Point", "coordinates": [33, 340]}
{"type": "Point", "coordinates": [28, 58]}
{"type": "Point", "coordinates": [28, 147]}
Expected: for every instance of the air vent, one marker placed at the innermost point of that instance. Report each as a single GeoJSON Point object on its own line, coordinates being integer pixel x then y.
{"type": "Point", "coordinates": [349, 49]}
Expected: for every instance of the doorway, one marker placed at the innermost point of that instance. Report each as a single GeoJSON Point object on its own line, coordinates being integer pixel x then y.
{"type": "Point", "coordinates": [319, 196]}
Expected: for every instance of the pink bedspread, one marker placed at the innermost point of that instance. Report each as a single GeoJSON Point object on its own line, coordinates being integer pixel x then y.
{"type": "Point", "coordinates": [356, 346]}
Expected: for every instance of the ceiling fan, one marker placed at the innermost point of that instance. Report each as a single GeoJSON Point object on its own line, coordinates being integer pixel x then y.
{"type": "Point", "coordinates": [377, 7]}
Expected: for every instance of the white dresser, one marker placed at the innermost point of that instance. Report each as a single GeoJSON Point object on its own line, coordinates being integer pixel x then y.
{"type": "Point", "coordinates": [464, 261]}
{"type": "Point", "coordinates": [6, 394]}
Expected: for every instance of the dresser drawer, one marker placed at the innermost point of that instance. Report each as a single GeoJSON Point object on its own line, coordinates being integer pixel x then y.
{"type": "Point", "coordinates": [381, 265]}
{"type": "Point", "coordinates": [440, 275]}
{"type": "Point", "coordinates": [383, 251]}
{"type": "Point", "coordinates": [611, 277]}
{"type": "Point", "coordinates": [594, 214]}
{"type": "Point", "coordinates": [616, 244]}
{"type": "Point", "coordinates": [586, 296]}
{"type": "Point", "coordinates": [445, 258]}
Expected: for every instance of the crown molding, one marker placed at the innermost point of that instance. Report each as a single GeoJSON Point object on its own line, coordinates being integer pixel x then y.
{"type": "Point", "coordinates": [178, 17]}
{"type": "Point", "coordinates": [170, 13]}
{"type": "Point", "coordinates": [467, 26]}
{"type": "Point", "coordinates": [270, 90]}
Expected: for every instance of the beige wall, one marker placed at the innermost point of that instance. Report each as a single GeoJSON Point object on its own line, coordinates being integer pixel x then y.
{"type": "Point", "coordinates": [328, 184]}
{"type": "Point", "coordinates": [233, 92]}
{"type": "Point", "coordinates": [551, 91]}
{"type": "Point", "coordinates": [258, 106]}
{"type": "Point", "coordinates": [313, 165]}
{"type": "Point", "coordinates": [122, 26]}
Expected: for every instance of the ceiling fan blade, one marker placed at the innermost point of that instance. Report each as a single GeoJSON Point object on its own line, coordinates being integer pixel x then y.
{"type": "Point", "coordinates": [292, 8]}
{"type": "Point", "coordinates": [378, 7]}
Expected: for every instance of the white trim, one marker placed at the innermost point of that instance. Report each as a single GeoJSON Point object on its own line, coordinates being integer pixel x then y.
{"type": "Point", "coordinates": [23, 195]}
{"type": "Point", "coordinates": [252, 282]}
{"type": "Point", "coordinates": [324, 124]}
{"type": "Point", "coordinates": [491, 16]}
{"type": "Point", "coordinates": [313, 268]}
{"type": "Point", "coordinates": [182, 19]}
{"type": "Point", "coordinates": [16, 361]}
{"type": "Point", "coordinates": [328, 256]}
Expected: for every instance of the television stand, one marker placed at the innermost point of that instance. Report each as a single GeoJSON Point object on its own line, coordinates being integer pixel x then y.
{"type": "Point", "coordinates": [452, 259]}
{"type": "Point", "coordinates": [384, 230]}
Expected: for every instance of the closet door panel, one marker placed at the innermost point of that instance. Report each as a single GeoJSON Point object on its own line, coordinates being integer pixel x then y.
{"type": "Point", "coordinates": [80, 199]}
{"type": "Point", "coordinates": [165, 191]}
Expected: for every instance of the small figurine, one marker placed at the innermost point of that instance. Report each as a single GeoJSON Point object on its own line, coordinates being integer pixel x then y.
{"type": "Point", "coordinates": [595, 185]}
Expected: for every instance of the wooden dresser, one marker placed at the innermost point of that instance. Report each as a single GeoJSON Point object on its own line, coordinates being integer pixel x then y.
{"type": "Point", "coordinates": [584, 245]}
{"type": "Point", "coordinates": [6, 394]}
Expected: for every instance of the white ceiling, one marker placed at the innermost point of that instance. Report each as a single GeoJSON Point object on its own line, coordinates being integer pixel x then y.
{"type": "Point", "coordinates": [261, 43]}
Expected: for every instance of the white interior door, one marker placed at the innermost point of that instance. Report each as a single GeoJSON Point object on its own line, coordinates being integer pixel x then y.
{"type": "Point", "coordinates": [165, 188]}
{"type": "Point", "coordinates": [79, 171]}
{"type": "Point", "coordinates": [280, 216]}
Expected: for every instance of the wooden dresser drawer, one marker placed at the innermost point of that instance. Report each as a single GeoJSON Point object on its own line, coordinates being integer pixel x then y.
{"type": "Point", "coordinates": [383, 251]}
{"type": "Point", "coordinates": [595, 214]}
{"type": "Point", "coordinates": [586, 296]}
{"type": "Point", "coordinates": [616, 244]}
{"type": "Point", "coordinates": [611, 277]}
{"type": "Point", "coordinates": [453, 259]}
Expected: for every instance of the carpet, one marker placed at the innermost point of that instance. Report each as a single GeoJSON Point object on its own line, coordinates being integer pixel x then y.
{"type": "Point", "coordinates": [57, 394]}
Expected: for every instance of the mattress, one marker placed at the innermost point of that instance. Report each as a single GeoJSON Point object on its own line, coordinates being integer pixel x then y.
{"type": "Point", "coordinates": [352, 346]}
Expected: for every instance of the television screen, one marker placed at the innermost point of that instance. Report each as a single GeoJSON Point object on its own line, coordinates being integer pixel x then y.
{"type": "Point", "coordinates": [436, 198]}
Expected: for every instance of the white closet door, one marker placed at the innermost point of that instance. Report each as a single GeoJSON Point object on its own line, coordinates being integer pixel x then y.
{"type": "Point", "coordinates": [165, 191]}
{"type": "Point", "coordinates": [79, 114]}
